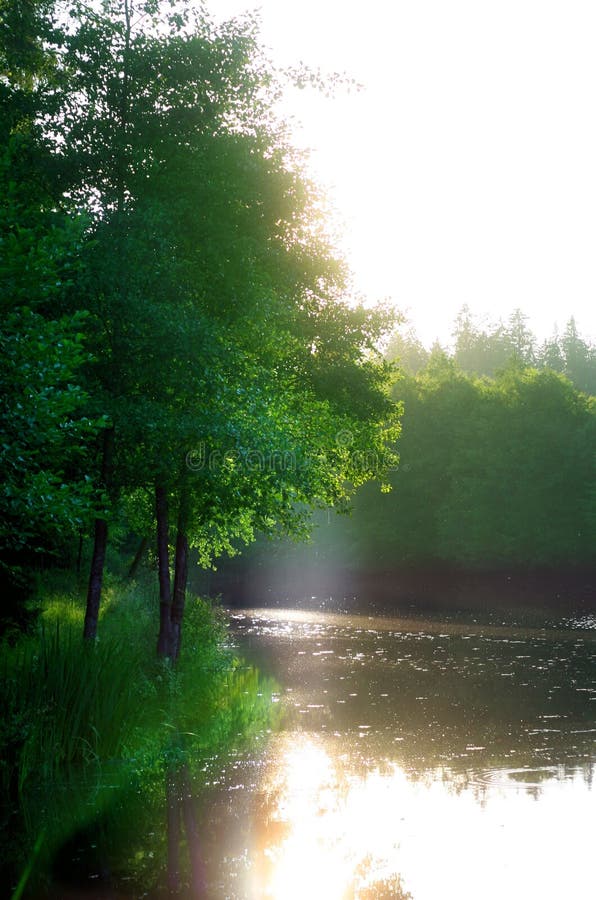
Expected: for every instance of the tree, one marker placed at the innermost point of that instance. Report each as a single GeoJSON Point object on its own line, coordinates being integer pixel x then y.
{"type": "Point", "coordinates": [407, 351]}
{"type": "Point", "coordinates": [551, 354]}
{"type": "Point", "coordinates": [493, 473]}
{"type": "Point", "coordinates": [580, 358]}
{"type": "Point", "coordinates": [470, 343]}
{"type": "Point", "coordinates": [227, 331]}
{"type": "Point", "coordinates": [47, 495]}
{"type": "Point", "coordinates": [487, 351]}
{"type": "Point", "coordinates": [520, 339]}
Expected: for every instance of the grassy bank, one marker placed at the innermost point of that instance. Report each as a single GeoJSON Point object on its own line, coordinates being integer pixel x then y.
{"type": "Point", "coordinates": [83, 725]}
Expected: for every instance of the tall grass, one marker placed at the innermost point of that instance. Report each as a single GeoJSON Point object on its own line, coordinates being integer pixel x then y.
{"type": "Point", "coordinates": [81, 723]}
{"type": "Point", "coordinates": [66, 703]}
{"type": "Point", "coordinates": [78, 701]}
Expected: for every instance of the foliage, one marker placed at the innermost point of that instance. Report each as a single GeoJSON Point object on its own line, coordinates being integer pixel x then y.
{"type": "Point", "coordinates": [486, 351]}
{"type": "Point", "coordinates": [495, 471]}
{"type": "Point", "coordinates": [47, 494]}
{"type": "Point", "coordinates": [42, 432]}
{"type": "Point", "coordinates": [228, 338]}
{"type": "Point", "coordinates": [151, 196]}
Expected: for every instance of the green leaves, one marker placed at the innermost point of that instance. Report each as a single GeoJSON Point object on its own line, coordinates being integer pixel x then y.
{"type": "Point", "coordinates": [493, 473]}
{"type": "Point", "coordinates": [210, 283]}
{"type": "Point", "coordinates": [217, 314]}
{"type": "Point", "coordinates": [43, 432]}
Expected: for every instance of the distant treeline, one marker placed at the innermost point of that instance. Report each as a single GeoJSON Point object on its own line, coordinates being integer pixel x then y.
{"type": "Point", "coordinates": [489, 350]}
{"type": "Point", "coordinates": [497, 459]}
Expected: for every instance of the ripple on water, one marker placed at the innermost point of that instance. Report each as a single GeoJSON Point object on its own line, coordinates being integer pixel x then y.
{"type": "Point", "coordinates": [526, 778]}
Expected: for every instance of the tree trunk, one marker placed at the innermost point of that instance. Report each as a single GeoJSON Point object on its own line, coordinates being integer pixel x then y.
{"type": "Point", "coordinates": [99, 544]}
{"type": "Point", "coordinates": [180, 576]}
{"type": "Point", "coordinates": [180, 579]}
{"type": "Point", "coordinates": [95, 578]}
{"type": "Point", "coordinates": [164, 640]}
{"type": "Point", "coordinates": [134, 566]}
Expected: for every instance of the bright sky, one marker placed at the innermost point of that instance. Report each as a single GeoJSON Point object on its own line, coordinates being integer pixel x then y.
{"type": "Point", "coordinates": [465, 170]}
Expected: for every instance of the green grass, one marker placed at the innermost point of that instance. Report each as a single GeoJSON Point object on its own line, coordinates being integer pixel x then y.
{"type": "Point", "coordinates": [104, 715]}
{"type": "Point", "coordinates": [66, 703]}
{"type": "Point", "coordinates": [78, 702]}
{"type": "Point", "coordinates": [69, 703]}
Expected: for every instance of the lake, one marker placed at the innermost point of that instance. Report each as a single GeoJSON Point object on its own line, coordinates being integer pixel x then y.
{"type": "Point", "coordinates": [446, 756]}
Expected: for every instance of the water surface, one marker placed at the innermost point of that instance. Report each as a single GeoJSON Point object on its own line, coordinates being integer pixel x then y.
{"type": "Point", "coordinates": [439, 757]}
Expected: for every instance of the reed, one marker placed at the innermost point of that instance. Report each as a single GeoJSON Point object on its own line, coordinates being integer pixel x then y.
{"type": "Point", "coordinates": [69, 704]}
{"type": "Point", "coordinates": [66, 703]}
{"type": "Point", "coordinates": [85, 725]}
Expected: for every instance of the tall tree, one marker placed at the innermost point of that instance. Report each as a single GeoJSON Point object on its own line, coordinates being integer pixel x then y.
{"type": "Point", "coordinates": [551, 354]}
{"type": "Point", "coordinates": [215, 306]}
{"type": "Point", "coordinates": [520, 339]}
{"type": "Point", "coordinates": [47, 495]}
{"type": "Point", "coordinates": [580, 358]}
{"type": "Point", "coordinates": [406, 349]}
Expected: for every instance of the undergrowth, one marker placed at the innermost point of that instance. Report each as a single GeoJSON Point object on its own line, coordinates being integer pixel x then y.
{"type": "Point", "coordinates": [68, 703]}
{"type": "Point", "coordinates": [110, 711]}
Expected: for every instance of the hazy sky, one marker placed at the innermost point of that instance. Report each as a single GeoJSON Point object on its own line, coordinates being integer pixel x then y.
{"type": "Point", "coordinates": [464, 171]}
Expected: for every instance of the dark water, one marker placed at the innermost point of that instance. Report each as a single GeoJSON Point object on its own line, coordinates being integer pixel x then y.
{"type": "Point", "coordinates": [431, 758]}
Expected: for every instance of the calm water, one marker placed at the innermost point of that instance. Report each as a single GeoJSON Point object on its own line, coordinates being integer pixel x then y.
{"type": "Point", "coordinates": [426, 758]}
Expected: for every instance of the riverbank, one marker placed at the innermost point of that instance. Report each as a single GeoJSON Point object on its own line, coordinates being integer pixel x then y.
{"type": "Point", "coordinates": [91, 735]}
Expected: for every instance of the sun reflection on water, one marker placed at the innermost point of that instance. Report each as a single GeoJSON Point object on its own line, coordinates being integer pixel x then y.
{"type": "Point", "coordinates": [450, 757]}
{"type": "Point", "coordinates": [326, 831]}
{"type": "Point", "coordinates": [326, 834]}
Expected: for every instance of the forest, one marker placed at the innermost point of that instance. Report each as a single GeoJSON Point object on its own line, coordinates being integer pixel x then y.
{"type": "Point", "coordinates": [498, 461]}
{"type": "Point", "coordinates": [497, 469]}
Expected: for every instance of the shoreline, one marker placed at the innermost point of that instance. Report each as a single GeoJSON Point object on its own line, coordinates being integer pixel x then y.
{"type": "Point", "coordinates": [431, 588]}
